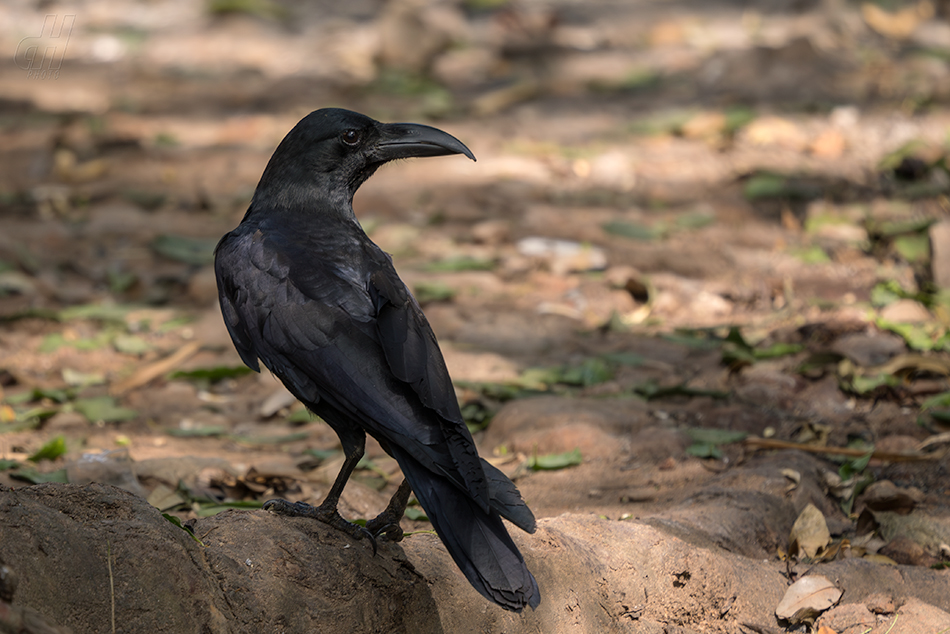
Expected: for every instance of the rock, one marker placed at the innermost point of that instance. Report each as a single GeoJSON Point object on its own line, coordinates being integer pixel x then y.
{"type": "Point", "coordinates": [905, 550]}
{"type": "Point", "coordinates": [544, 425]}
{"type": "Point", "coordinates": [869, 348]}
{"type": "Point", "coordinates": [906, 311]}
{"type": "Point", "coordinates": [563, 256]}
{"type": "Point", "coordinates": [850, 617]}
{"type": "Point", "coordinates": [255, 572]}
{"type": "Point", "coordinates": [884, 495]}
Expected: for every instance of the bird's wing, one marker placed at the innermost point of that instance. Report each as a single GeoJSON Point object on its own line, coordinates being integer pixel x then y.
{"type": "Point", "coordinates": [351, 336]}
{"type": "Point", "coordinates": [411, 348]}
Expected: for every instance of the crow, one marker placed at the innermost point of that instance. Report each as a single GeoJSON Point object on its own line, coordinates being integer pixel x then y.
{"type": "Point", "coordinates": [305, 291]}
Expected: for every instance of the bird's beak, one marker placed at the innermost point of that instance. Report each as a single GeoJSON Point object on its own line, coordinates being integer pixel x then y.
{"type": "Point", "coordinates": [407, 140]}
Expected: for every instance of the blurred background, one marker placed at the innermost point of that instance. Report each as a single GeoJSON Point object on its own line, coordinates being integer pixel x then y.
{"type": "Point", "coordinates": [727, 215]}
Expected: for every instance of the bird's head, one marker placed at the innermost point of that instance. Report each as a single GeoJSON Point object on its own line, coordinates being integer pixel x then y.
{"type": "Point", "coordinates": [331, 152]}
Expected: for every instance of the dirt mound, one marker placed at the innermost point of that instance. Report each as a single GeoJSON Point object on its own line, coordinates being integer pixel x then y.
{"type": "Point", "coordinates": [82, 551]}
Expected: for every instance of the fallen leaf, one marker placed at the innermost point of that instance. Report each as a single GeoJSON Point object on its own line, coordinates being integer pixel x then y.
{"type": "Point", "coordinates": [809, 533]}
{"type": "Point", "coordinates": [807, 598]}
{"type": "Point", "coordinates": [51, 450]}
{"type": "Point", "coordinates": [551, 462]}
{"type": "Point", "coordinates": [829, 144]}
{"type": "Point", "coordinates": [899, 25]}
{"type": "Point", "coordinates": [103, 408]}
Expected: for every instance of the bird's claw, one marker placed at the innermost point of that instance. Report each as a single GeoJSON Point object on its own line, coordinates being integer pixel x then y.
{"type": "Point", "coordinates": [392, 531]}
{"type": "Point", "coordinates": [327, 516]}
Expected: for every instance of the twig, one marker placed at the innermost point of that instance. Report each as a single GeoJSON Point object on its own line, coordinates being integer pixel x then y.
{"type": "Point", "coordinates": [768, 443]}
{"type": "Point", "coordinates": [157, 369]}
{"type": "Point", "coordinates": [893, 623]}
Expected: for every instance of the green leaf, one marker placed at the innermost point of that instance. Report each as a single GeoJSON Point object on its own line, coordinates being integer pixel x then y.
{"type": "Point", "coordinates": [416, 515]}
{"type": "Point", "coordinates": [590, 372]}
{"type": "Point", "coordinates": [177, 522]}
{"type": "Point", "coordinates": [940, 401]}
{"type": "Point", "coordinates": [882, 295]}
{"type": "Point", "coordinates": [738, 117]}
{"type": "Point", "coordinates": [323, 454]}
{"type": "Point", "coordinates": [302, 415]}
{"type": "Point", "coordinates": [554, 461]}
{"type": "Point", "coordinates": [632, 230]}
{"type": "Point", "coordinates": [855, 466]}
{"type": "Point", "coordinates": [8, 464]}
{"type": "Point", "coordinates": [198, 432]}
{"type": "Point", "coordinates": [429, 292]}
{"type": "Point", "coordinates": [765, 186]}
{"type": "Point", "coordinates": [75, 378]}
{"type": "Point", "coordinates": [271, 440]}
{"type": "Point", "coordinates": [695, 220]}
{"type": "Point", "coordinates": [921, 337]}
{"type": "Point", "coordinates": [55, 341]}
{"type": "Point", "coordinates": [716, 436]}
{"type": "Point", "coordinates": [864, 384]}
{"type": "Point", "coordinates": [103, 408]}
{"type": "Point", "coordinates": [212, 375]}
{"type": "Point", "coordinates": [812, 255]}
{"type": "Point", "coordinates": [777, 350]}
{"type": "Point", "coordinates": [704, 450]}
{"type": "Point", "coordinates": [913, 248]}
{"type": "Point", "coordinates": [39, 393]}
{"type": "Point", "coordinates": [207, 510]}
{"type": "Point", "coordinates": [52, 450]}
{"type": "Point", "coordinates": [197, 251]}
{"type": "Point", "coordinates": [463, 263]}
{"type": "Point", "coordinates": [96, 312]}
{"type": "Point", "coordinates": [651, 390]}
{"type": "Point", "coordinates": [131, 344]}
{"type": "Point", "coordinates": [35, 477]}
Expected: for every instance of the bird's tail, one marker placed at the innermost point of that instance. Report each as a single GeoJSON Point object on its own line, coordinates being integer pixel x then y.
{"type": "Point", "coordinates": [477, 541]}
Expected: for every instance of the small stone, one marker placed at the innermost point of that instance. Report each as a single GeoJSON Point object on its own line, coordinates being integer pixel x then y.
{"type": "Point", "coordinates": [906, 311]}
{"type": "Point", "coordinates": [886, 496]}
{"type": "Point", "coordinates": [905, 550]}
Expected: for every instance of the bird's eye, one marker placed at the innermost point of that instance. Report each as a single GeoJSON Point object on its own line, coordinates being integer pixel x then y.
{"type": "Point", "coordinates": [351, 137]}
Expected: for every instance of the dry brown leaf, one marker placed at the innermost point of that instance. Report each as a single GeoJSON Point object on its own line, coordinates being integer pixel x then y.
{"type": "Point", "coordinates": [899, 25]}
{"type": "Point", "coordinates": [807, 598]}
{"type": "Point", "coordinates": [794, 477]}
{"type": "Point", "coordinates": [809, 533]}
{"type": "Point", "coordinates": [828, 144]}
{"type": "Point", "coordinates": [767, 131]}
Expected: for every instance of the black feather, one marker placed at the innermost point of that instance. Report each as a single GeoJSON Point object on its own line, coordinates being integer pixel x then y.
{"type": "Point", "coordinates": [305, 291]}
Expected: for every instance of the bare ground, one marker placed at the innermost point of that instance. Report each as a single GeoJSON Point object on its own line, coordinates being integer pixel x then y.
{"type": "Point", "coordinates": [781, 170]}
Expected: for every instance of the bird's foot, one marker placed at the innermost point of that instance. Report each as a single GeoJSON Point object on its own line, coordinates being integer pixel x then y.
{"type": "Point", "coordinates": [382, 526]}
{"type": "Point", "coordinates": [328, 516]}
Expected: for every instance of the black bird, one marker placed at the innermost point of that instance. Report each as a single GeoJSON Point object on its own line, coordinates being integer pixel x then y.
{"type": "Point", "coordinates": [304, 289]}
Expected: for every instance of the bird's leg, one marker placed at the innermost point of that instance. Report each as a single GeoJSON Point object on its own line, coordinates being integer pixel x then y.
{"type": "Point", "coordinates": [387, 522]}
{"type": "Point", "coordinates": [327, 511]}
